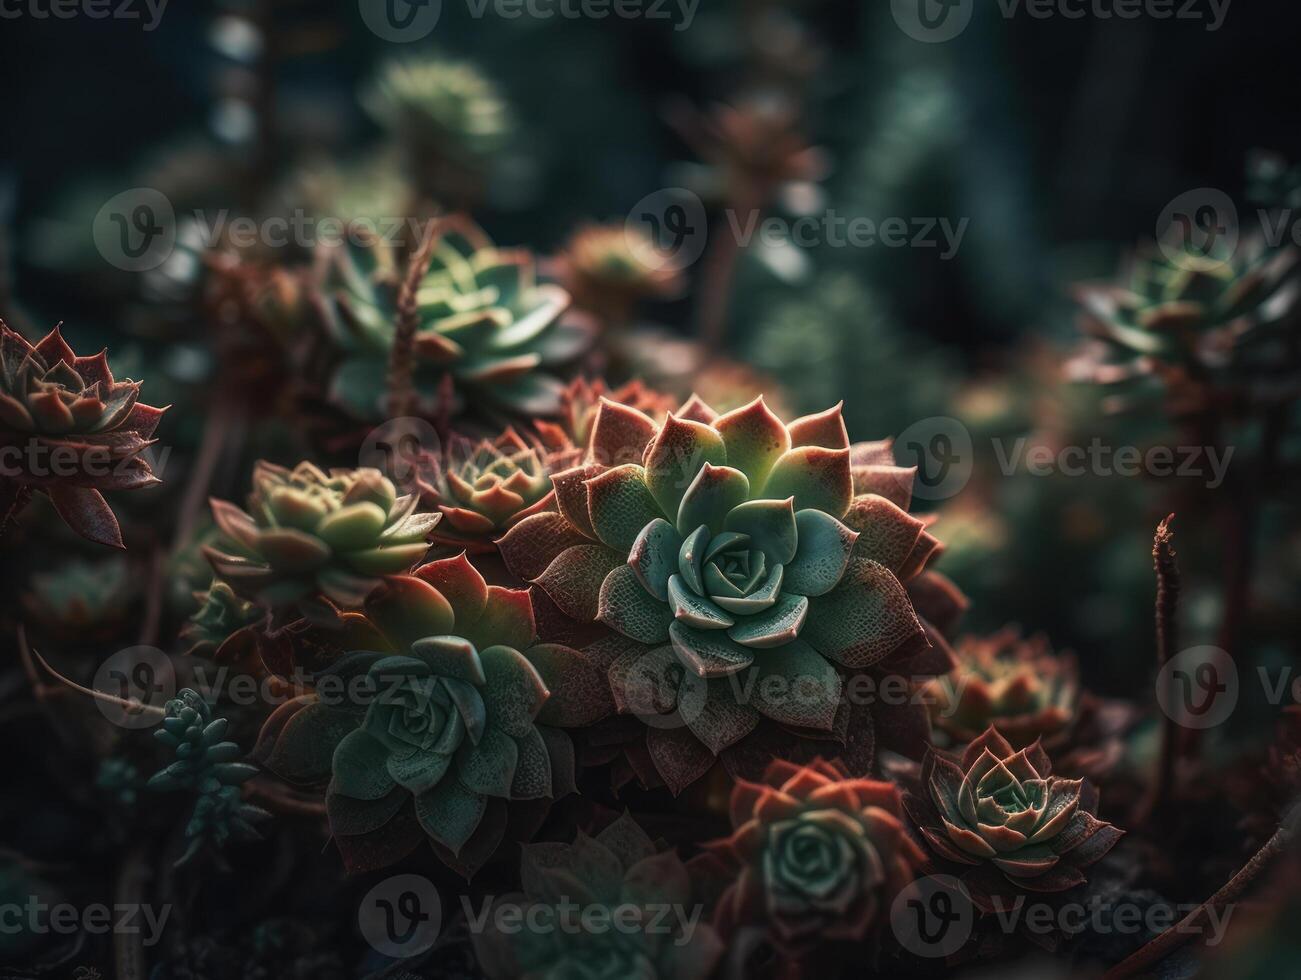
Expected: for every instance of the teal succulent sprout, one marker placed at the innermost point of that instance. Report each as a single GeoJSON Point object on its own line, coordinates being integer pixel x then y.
{"type": "Point", "coordinates": [486, 325]}
{"type": "Point", "coordinates": [221, 614]}
{"type": "Point", "coordinates": [618, 875]}
{"type": "Point", "coordinates": [205, 765]}
{"type": "Point", "coordinates": [743, 562]}
{"type": "Point", "coordinates": [430, 723]}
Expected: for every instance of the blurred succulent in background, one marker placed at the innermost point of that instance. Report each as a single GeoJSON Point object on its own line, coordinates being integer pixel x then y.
{"type": "Point", "coordinates": [447, 725]}
{"type": "Point", "coordinates": [1005, 822]}
{"type": "Point", "coordinates": [609, 269]}
{"type": "Point", "coordinates": [619, 869]}
{"type": "Point", "coordinates": [815, 856]}
{"type": "Point", "coordinates": [484, 323]}
{"type": "Point", "coordinates": [70, 430]}
{"type": "Point", "coordinates": [120, 778]}
{"type": "Point", "coordinates": [309, 533]}
{"type": "Point", "coordinates": [1271, 181]}
{"type": "Point", "coordinates": [82, 599]}
{"type": "Point", "coordinates": [206, 766]}
{"type": "Point", "coordinates": [220, 616]}
{"type": "Point", "coordinates": [482, 489]}
{"type": "Point", "coordinates": [567, 438]}
{"type": "Point", "coordinates": [449, 119]}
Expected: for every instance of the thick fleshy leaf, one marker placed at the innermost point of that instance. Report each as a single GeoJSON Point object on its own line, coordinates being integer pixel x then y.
{"type": "Point", "coordinates": [863, 621]}
{"type": "Point", "coordinates": [419, 771]}
{"type": "Point", "coordinates": [571, 496]}
{"type": "Point", "coordinates": [723, 719]}
{"type": "Point", "coordinates": [822, 556]}
{"type": "Point", "coordinates": [533, 544]}
{"type": "Point", "coordinates": [886, 534]}
{"type": "Point", "coordinates": [817, 478]}
{"type": "Point", "coordinates": [86, 512]}
{"type": "Point", "coordinates": [449, 813]}
{"type": "Point", "coordinates": [620, 505]}
{"type": "Point", "coordinates": [533, 769]}
{"type": "Point", "coordinates": [406, 609]}
{"type": "Point", "coordinates": [770, 525]}
{"type": "Point", "coordinates": [513, 692]}
{"type": "Point", "coordinates": [713, 494]}
{"type": "Point", "coordinates": [774, 627]}
{"type": "Point", "coordinates": [580, 693]}
{"type": "Point", "coordinates": [304, 750]}
{"type": "Point", "coordinates": [678, 452]}
{"type": "Point", "coordinates": [708, 653]}
{"type": "Point", "coordinates": [507, 620]}
{"type": "Point", "coordinates": [352, 527]}
{"type": "Point", "coordinates": [695, 610]}
{"type": "Point", "coordinates": [620, 434]}
{"type": "Point", "coordinates": [361, 767]}
{"type": "Point", "coordinates": [573, 580]}
{"type": "Point", "coordinates": [754, 438]}
{"type": "Point", "coordinates": [489, 767]}
{"type": "Point", "coordinates": [826, 429]}
{"type": "Point", "coordinates": [349, 817]}
{"type": "Point", "coordinates": [654, 556]}
{"type": "Point", "coordinates": [680, 758]}
{"type": "Point", "coordinates": [461, 585]}
{"type": "Point", "coordinates": [450, 656]}
{"type": "Point", "coordinates": [626, 606]}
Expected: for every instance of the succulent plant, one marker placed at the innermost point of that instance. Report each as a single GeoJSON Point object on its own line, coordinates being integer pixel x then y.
{"type": "Point", "coordinates": [1006, 821]}
{"type": "Point", "coordinates": [743, 561]}
{"type": "Point", "coordinates": [69, 429]}
{"type": "Point", "coordinates": [119, 778]}
{"type": "Point", "coordinates": [485, 323]}
{"type": "Point", "coordinates": [449, 119]}
{"type": "Point", "coordinates": [609, 269]}
{"type": "Point", "coordinates": [205, 766]}
{"type": "Point", "coordinates": [220, 616]}
{"type": "Point", "coordinates": [567, 438]}
{"type": "Point", "coordinates": [482, 488]}
{"type": "Point", "coordinates": [81, 599]}
{"type": "Point", "coordinates": [1015, 685]}
{"type": "Point", "coordinates": [618, 869]}
{"type": "Point", "coordinates": [815, 855]}
{"type": "Point", "coordinates": [440, 728]}
{"type": "Point", "coordinates": [309, 533]}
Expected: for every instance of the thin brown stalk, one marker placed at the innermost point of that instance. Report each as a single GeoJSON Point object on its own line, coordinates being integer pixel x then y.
{"type": "Point", "coordinates": [128, 944]}
{"type": "Point", "coordinates": [32, 657]}
{"type": "Point", "coordinates": [1166, 564]}
{"type": "Point", "coordinates": [401, 365]}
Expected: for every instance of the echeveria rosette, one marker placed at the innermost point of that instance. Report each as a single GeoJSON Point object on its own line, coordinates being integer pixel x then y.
{"type": "Point", "coordinates": [620, 867]}
{"type": "Point", "coordinates": [308, 533]}
{"type": "Point", "coordinates": [815, 856]}
{"type": "Point", "coordinates": [221, 614]}
{"type": "Point", "coordinates": [1005, 823]}
{"type": "Point", "coordinates": [448, 730]}
{"type": "Point", "coordinates": [567, 437]}
{"type": "Point", "coordinates": [482, 489]}
{"type": "Point", "coordinates": [486, 324]}
{"type": "Point", "coordinates": [736, 551]}
{"type": "Point", "coordinates": [85, 430]}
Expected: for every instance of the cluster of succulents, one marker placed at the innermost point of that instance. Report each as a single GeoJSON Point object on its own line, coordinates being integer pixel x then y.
{"type": "Point", "coordinates": [609, 269]}
{"type": "Point", "coordinates": [567, 437]}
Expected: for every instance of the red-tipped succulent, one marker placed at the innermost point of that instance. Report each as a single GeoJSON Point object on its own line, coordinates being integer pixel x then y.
{"type": "Point", "coordinates": [815, 855]}
{"type": "Point", "coordinates": [69, 429]}
{"type": "Point", "coordinates": [567, 438]}
{"type": "Point", "coordinates": [1002, 817]}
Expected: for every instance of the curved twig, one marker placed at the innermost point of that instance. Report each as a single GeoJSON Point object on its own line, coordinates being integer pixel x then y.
{"type": "Point", "coordinates": [131, 704]}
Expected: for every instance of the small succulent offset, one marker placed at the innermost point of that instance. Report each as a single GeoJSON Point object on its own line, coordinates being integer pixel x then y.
{"type": "Point", "coordinates": [1002, 816]}
{"type": "Point", "coordinates": [206, 766]}
{"type": "Point", "coordinates": [815, 855]}
{"type": "Point", "coordinates": [441, 714]}
{"type": "Point", "coordinates": [1018, 686]}
{"type": "Point", "coordinates": [482, 488]}
{"type": "Point", "coordinates": [737, 559]}
{"type": "Point", "coordinates": [81, 599]}
{"type": "Point", "coordinates": [220, 616]}
{"type": "Point", "coordinates": [309, 533]}
{"type": "Point", "coordinates": [567, 438]}
{"type": "Point", "coordinates": [621, 875]}
{"type": "Point", "coordinates": [486, 325]}
{"type": "Point", "coordinates": [609, 269]}
{"type": "Point", "coordinates": [77, 429]}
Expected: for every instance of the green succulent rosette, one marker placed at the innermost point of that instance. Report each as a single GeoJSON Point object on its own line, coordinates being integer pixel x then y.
{"type": "Point", "coordinates": [737, 557]}
{"type": "Point", "coordinates": [433, 721]}
{"type": "Point", "coordinates": [619, 875]}
{"type": "Point", "coordinates": [220, 616]}
{"type": "Point", "coordinates": [485, 324]}
{"type": "Point", "coordinates": [308, 533]}
{"type": "Point", "coordinates": [81, 598]}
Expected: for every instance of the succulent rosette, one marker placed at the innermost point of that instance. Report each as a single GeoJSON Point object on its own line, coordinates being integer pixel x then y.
{"type": "Point", "coordinates": [221, 615]}
{"type": "Point", "coordinates": [69, 429]}
{"type": "Point", "coordinates": [308, 533]}
{"type": "Point", "coordinates": [82, 600]}
{"type": "Point", "coordinates": [609, 269]}
{"type": "Point", "coordinates": [620, 874]}
{"type": "Point", "coordinates": [735, 559]}
{"type": "Point", "coordinates": [815, 855]}
{"type": "Point", "coordinates": [485, 323]}
{"type": "Point", "coordinates": [1004, 818]}
{"type": "Point", "coordinates": [567, 437]}
{"type": "Point", "coordinates": [483, 488]}
{"type": "Point", "coordinates": [431, 723]}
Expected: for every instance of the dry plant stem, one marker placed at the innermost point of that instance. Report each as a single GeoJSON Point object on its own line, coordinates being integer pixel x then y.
{"type": "Point", "coordinates": [1193, 924]}
{"type": "Point", "coordinates": [221, 422]}
{"type": "Point", "coordinates": [1165, 562]}
{"type": "Point", "coordinates": [13, 498]}
{"type": "Point", "coordinates": [28, 654]}
{"type": "Point", "coordinates": [128, 945]}
{"type": "Point", "coordinates": [401, 365]}
{"type": "Point", "coordinates": [718, 276]}
{"type": "Point", "coordinates": [153, 599]}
